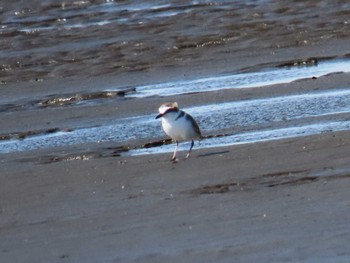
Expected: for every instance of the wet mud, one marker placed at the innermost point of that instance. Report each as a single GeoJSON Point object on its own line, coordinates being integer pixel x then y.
{"type": "Point", "coordinates": [71, 99]}
{"type": "Point", "coordinates": [24, 135]}
{"type": "Point", "coordinates": [50, 39]}
{"type": "Point", "coordinates": [279, 179]}
{"type": "Point", "coordinates": [85, 170]}
{"type": "Point", "coordinates": [79, 99]}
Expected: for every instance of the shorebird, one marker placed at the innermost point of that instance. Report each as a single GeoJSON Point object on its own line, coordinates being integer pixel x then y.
{"type": "Point", "coordinates": [178, 125]}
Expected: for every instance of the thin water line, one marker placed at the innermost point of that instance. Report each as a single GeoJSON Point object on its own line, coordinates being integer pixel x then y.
{"type": "Point", "coordinates": [249, 137]}
{"type": "Point", "coordinates": [241, 81]}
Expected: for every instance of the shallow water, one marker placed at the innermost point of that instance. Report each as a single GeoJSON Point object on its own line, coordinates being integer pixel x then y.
{"type": "Point", "coordinates": [245, 80]}
{"type": "Point", "coordinates": [244, 116]}
{"type": "Point", "coordinates": [250, 137]}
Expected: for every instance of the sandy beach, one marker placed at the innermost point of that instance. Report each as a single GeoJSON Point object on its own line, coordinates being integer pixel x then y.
{"type": "Point", "coordinates": [284, 200]}
{"type": "Point", "coordinates": [276, 201]}
{"type": "Point", "coordinates": [281, 201]}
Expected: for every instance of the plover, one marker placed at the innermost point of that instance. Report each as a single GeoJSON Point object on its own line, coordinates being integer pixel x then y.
{"type": "Point", "coordinates": [178, 125]}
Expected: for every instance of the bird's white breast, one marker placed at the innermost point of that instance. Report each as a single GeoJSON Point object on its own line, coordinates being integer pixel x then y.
{"type": "Point", "coordinates": [180, 129]}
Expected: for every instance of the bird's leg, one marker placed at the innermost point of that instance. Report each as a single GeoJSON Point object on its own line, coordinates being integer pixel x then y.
{"type": "Point", "coordinates": [188, 155]}
{"type": "Point", "coordinates": [174, 155]}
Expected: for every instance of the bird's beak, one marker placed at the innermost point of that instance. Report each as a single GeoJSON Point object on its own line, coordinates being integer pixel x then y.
{"type": "Point", "coordinates": [159, 115]}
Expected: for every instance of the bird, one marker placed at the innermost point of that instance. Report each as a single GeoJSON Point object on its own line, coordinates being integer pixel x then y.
{"type": "Point", "coordinates": [178, 125]}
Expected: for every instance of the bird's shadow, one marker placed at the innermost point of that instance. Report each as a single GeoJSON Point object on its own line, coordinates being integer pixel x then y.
{"type": "Point", "coordinates": [213, 153]}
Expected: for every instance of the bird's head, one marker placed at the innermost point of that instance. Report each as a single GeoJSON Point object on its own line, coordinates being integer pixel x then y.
{"type": "Point", "coordinates": [166, 107]}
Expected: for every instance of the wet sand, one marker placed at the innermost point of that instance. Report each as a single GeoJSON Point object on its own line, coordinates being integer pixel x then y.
{"type": "Point", "coordinates": [276, 201]}
{"type": "Point", "coordinates": [280, 201]}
